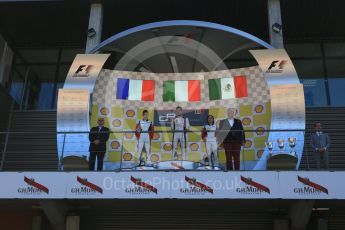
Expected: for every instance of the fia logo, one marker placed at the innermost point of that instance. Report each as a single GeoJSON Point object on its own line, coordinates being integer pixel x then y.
{"type": "Point", "coordinates": [276, 66]}
{"type": "Point", "coordinates": [83, 71]}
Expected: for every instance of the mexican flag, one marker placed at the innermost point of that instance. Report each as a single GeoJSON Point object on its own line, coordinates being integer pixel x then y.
{"type": "Point", "coordinates": [227, 88]}
{"type": "Point", "coordinates": [139, 90]}
{"type": "Point", "coordinates": [181, 90]}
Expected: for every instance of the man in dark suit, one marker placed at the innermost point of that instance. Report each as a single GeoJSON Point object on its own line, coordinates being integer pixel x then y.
{"type": "Point", "coordinates": [98, 137]}
{"type": "Point", "coordinates": [231, 136]}
{"type": "Point", "coordinates": [320, 143]}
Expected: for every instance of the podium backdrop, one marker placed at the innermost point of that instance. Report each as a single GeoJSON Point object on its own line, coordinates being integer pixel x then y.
{"type": "Point", "coordinates": [268, 96]}
{"type": "Point", "coordinates": [121, 114]}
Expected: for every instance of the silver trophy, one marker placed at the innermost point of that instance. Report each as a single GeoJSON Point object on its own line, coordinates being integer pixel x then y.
{"type": "Point", "coordinates": [280, 144]}
{"type": "Point", "coordinates": [269, 145]}
{"type": "Point", "coordinates": [292, 144]}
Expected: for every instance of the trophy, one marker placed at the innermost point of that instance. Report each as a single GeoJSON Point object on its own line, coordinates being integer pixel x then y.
{"type": "Point", "coordinates": [292, 144]}
{"type": "Point", "coordinates": [281, 144]}
{"type": "Point", "coordinates": [269, 145]}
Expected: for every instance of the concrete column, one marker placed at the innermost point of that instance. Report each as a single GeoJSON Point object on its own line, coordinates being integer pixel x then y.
{"type": "Point", "coordinates": [72, 222]}
{"type": "Point", "coordinates": [280, 224]}
{"type": "Point", "coordinates": [322, 224]}
{"type": "Point", "coordinates": [56, 211]}
{"type": "Point", "coordinates": [95, 22]}
{"type": "Point", "coordinates": [300, 211]}
{"type": "Point", "coordinates": [36, 223]}
{"type": "Point", "coordinates": [274, 16]}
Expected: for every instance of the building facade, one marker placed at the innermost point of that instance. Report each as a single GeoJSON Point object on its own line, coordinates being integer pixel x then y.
{"type": "Point", "coordinates": [40, 39]}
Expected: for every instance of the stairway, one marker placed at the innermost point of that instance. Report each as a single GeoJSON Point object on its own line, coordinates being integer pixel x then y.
{"type": "Point", "coordinates": [5, 105]}
{"type": "Point", "coordinates": [333, 123]}
{"type": "Point", "coordinates": [32, 142]}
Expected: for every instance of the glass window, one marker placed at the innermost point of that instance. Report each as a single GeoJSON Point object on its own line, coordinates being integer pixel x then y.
{"type": "Point", "coordinates": [334, 49]}
{"type": "Point", "coordinates": [68, 55]}
{"type": "Point", "coordinates": [45, 70]}
{"type": "Point", "coordinates": [240, 64]}
{"type": "Point", "coordinates": [309, 68]}
{"type": "Point", "coordinates": [32, 89]}
{"type": "Point", "coordinates": [337, 91]}
{"type": "Point", "coordinates": [336, 81]}
{"type": "Point", "coordinates": [314, 92]}
{"type": "Point", "coordinates": [312, 50]}
{"type": "Point", "coordinates": [2, 45]}
{"type": "Point", "coordinates": [335, 68]}
{"type": "Point", "coordinates": [45, 77]}
{"type": "Point", "coordinates": [45, 95]}
{"type": "Point", "coordinates": [63, 71]}
{"type": "Point", "coordinates": [59, 85]}
{"type": "Point", "coordinates": [44, 73]}
{"type": "Point", "coordinates": [16, 88]}
{"type": "Point", "coordinates": [40, 55]}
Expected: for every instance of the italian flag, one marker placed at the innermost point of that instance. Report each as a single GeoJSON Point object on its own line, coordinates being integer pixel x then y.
{"type": "Point", "coordinates": [139, 90]}
{"type": "Point", "coordinates": [227, 88]}
{"type": "Point", "coordinates": [181, 90]}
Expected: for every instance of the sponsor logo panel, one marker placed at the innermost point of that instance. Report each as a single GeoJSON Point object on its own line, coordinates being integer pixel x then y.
{"type": "Point", "coordinates": [308, 185]}
{"type": "Point", "coordinates": [38, 185]}
{"type": "Point", "coordinates": [195, 185]}
{"type": "Point", "coordinates": [188, 185]}
{"type": "Point", "coordinates": [257, 184]}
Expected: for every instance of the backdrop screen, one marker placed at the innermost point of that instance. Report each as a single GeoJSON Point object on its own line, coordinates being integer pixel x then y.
{"type": "Point", "coordinates": [120, 97]}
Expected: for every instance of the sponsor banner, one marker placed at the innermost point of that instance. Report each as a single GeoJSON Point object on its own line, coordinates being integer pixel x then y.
{"type": "Point", "coordinates": [183, 185]}
{"type": "Point", "coordinates": [310, 185]}
{"type": "Point", "coordinates": [92, 185]}
{"type": "Point", "coordinates": [89, 185]}
{"type": "Point", "coordinates": [198, 185]}
{"type": "Point", "coordinates": [31, 185]}
{"type": "Point", "coordinates": [259, 184]}
{"type": "Point", "coordinates": [139, 185]}
{"type": "Point", "coordinates": [86, 185]}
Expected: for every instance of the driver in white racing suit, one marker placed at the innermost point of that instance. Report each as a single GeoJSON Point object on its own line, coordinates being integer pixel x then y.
{"type": "Point", "coordinates": [179, 126]}
{"type": "Point", "coordinates": [208, 135]}
{"type": "Point", "coordinates": [144, 133]}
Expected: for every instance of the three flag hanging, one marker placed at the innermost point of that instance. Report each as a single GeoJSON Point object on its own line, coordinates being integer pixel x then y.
{"type": "Point", "coordinates": [182, 91]}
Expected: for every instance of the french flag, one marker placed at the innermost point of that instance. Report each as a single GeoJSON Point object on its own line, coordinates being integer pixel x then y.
{"type": "Point", "coordinates": [138, 90]}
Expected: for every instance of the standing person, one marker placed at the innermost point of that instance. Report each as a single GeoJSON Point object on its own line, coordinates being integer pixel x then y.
{"type": "Point", "coordinates": [232, 137]}
{"type": "Point", "coordinates": [144, 133]}
{"type": "Point", "coordinates": [181, 125]}
{"type": "Point", "coordinates": [208, 135]}
{"type": "Point", "coordinates": [320, 142]}
{"type": "Point", "coordinates": [98, 137]}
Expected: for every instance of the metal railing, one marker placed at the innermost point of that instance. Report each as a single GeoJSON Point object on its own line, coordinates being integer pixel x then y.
{"type": "Point", "coordinates": [123, 155]}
